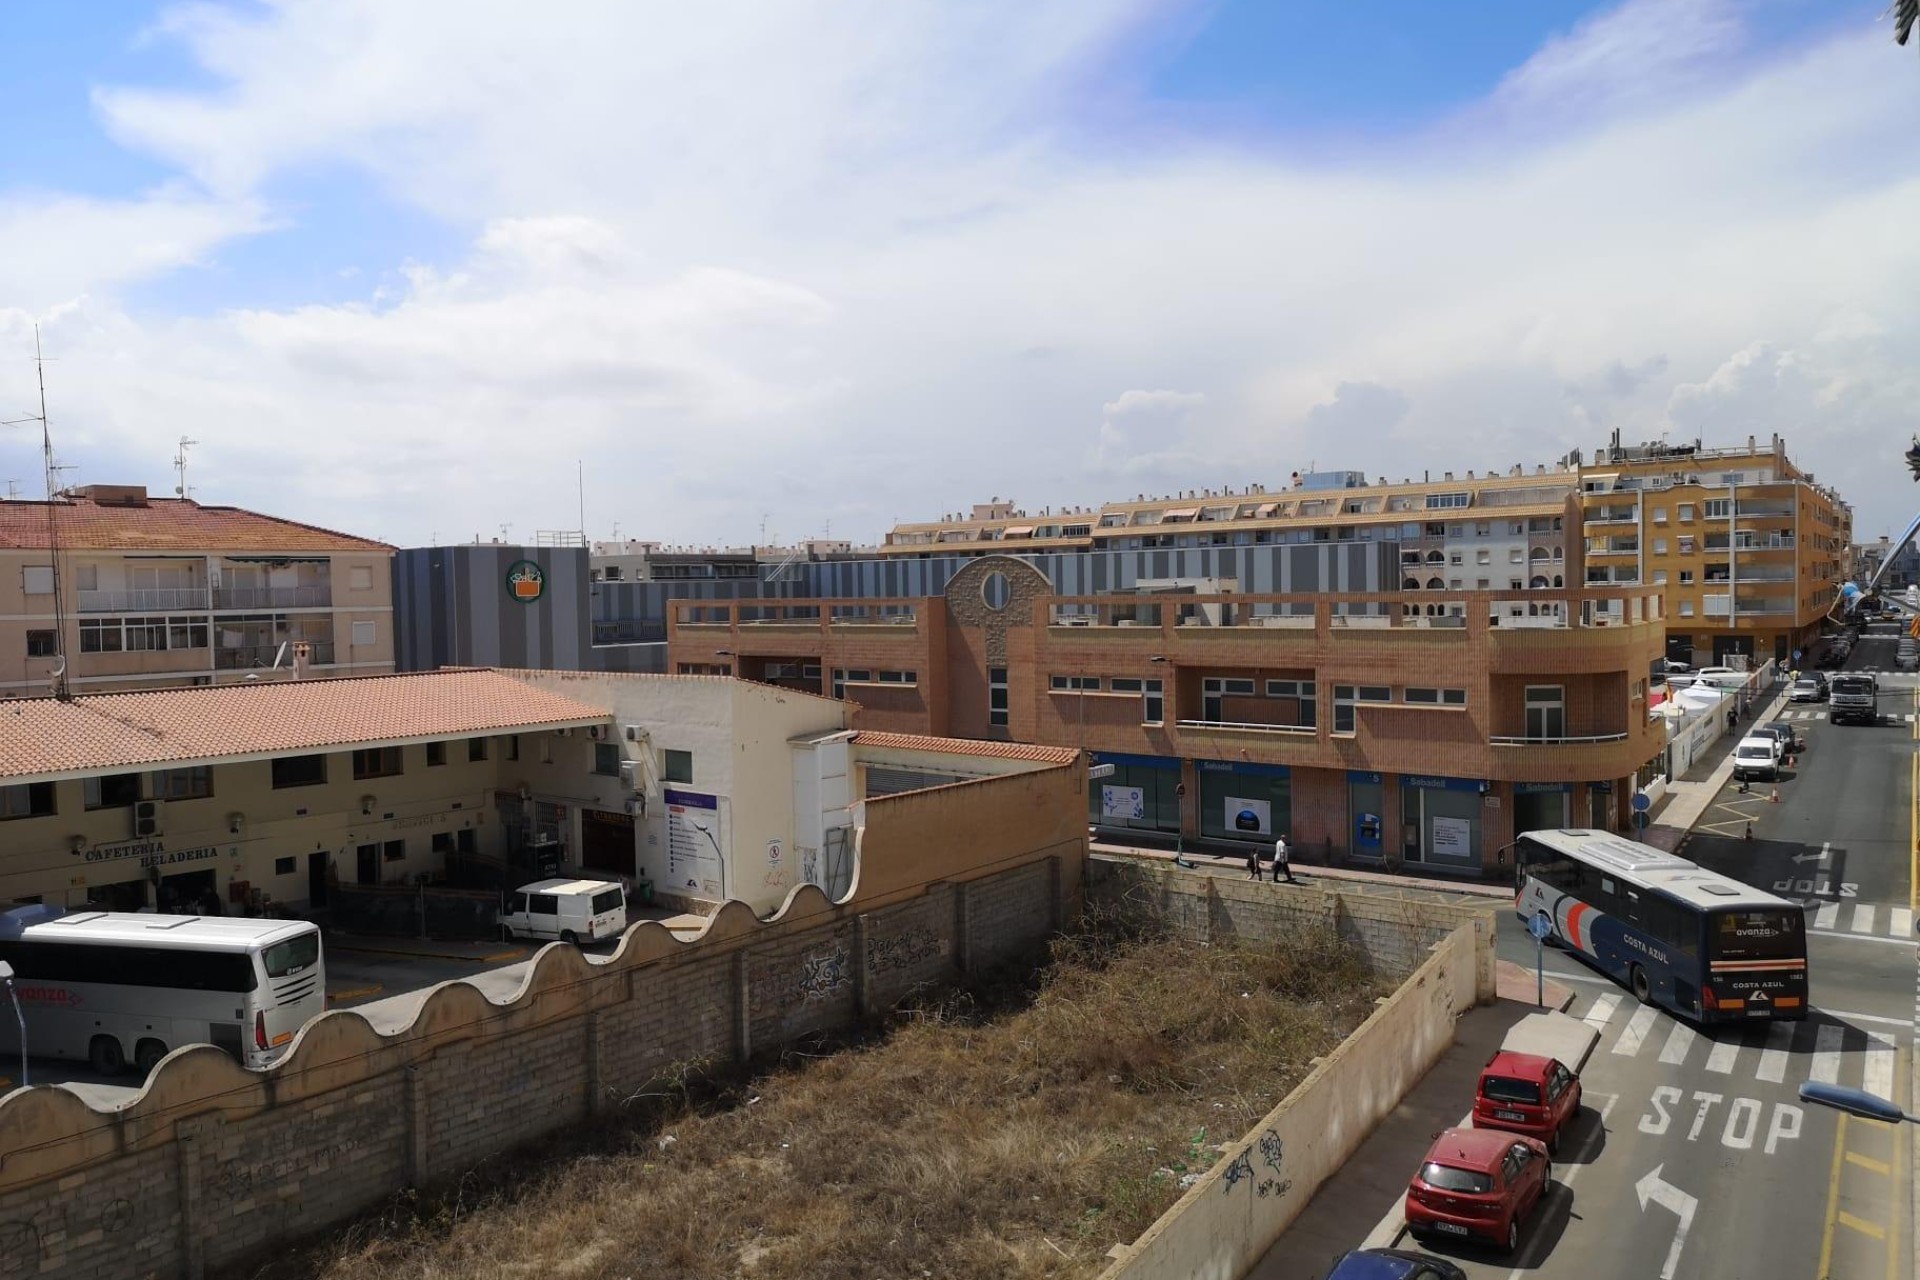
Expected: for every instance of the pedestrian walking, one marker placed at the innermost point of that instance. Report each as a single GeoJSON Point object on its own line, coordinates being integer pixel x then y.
{"type": "Point", "coordinates": [1282, 864]}
{"type": "Point", "coordinates": [1253, 863]}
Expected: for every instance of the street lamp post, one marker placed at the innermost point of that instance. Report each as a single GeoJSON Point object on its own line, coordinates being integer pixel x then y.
{"type": "Point", "coordinates": [1855, 1102]}
{"type": "Point", "coordinates": [6, 976]}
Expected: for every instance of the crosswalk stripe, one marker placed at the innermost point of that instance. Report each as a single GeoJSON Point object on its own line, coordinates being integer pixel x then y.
{"type": "Point", "coordinates": [1773, 1058]}
{"type": "Point", "coordinates": [1863, 918]}
{"type": "Point", "coordinates": [1900, 922]}
{"type": "Point", "coordinates": [1878, 1078]}
{"type": "Point", "coordinates": [1824, 917]}
{"type": "Point", "coordinates": [1636, 1032]}
{"type": "Point", "coordinates": [1722, 1057]}
{"type": "Point", "coordinates": [1679, 1040]}
{"type": "Point", "coordinates": [1602, 1011]}
{"type": "Point", "coordinates": [1826, 1055]}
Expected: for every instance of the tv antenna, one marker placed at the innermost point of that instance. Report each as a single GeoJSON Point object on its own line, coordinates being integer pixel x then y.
{"type": "Point", "coordinates": [61, 690]}
{"type": "Point", "coordinates": [180, 489]}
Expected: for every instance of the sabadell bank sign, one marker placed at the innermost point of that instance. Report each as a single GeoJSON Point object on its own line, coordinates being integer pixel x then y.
{"type": "Point", "coordinates": [526, 581]}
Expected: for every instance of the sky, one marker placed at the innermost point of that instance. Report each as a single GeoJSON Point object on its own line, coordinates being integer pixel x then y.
{"type": "Point", "coordinates": [740, 272]}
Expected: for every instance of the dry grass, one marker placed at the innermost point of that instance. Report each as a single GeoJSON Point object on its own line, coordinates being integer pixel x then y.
{"type": "Point", "coordinates": [1016, 1134]}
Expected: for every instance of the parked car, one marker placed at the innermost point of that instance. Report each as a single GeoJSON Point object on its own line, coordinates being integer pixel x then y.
{"type": "Point", "coordinates": [569, 910]}
{"type": "Point", "coordinates": [1811, 687]}
{"type": "Point", "coordinates": [1789, 740]}
{"type": "Point", "coordinates": [1393, 1264]}
{"type": "Point", "coordinates": [1526, 1093]}
{"type": "Point", "coordinates": [1758, 756]}
{"type": "Point", "coordinates": [1673, 666]}
{"type": "Point", "coordinates": [1478, 1183]}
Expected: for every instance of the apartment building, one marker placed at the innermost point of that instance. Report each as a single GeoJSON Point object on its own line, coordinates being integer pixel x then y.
{"type": "Point", "coordinates": [1361, 723]}
{"type": "Point", "coordinates": [1748, 549]}
{"type": "Point", "coordinates": [167, 591]}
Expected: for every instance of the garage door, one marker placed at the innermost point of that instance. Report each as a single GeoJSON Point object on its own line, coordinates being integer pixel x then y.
{"type": "Point", "coordinates": [606, 841]}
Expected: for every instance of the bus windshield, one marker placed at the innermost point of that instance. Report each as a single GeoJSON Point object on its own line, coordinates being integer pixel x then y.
{"type": "Point", "coordinates": [1758, 935]}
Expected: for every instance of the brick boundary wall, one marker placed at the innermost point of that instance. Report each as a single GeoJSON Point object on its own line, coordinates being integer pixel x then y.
{"type": "Point", "coordinates": [1395, 928]}
{"type": "Point", "coordinates": [211, 1166]}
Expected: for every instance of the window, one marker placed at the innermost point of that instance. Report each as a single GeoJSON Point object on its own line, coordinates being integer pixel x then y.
{"type": "Point", "coordinates": [1516, 555]}
{"type": "Point", "coordinates": [1686, 577]}
{"type": "Point", "coordinates": [26, 800]}
{"type": "Point", "coordinates": [510, 747]}
{"type": "Point", "coordinates": [1686, 608]}
{"type": "Point", "coordinates": [99, 635]}
{"type": "Point", "coordinates": [363, 635]}
{"type": "Point", "coordinates": [606, 759]}
{"type": "Point", "coordinates": [1445, 501]}
{"type": "Point", "coordinates": [1075, 683]}
{"type": "Point", "coordinates": [115, 791]}
{"type": "Point", "coordinates": [676, 766]}
{"type": "Point", "coordinates": [146, 634]}
{"type": "Point", "coordinates": [285, 866]}
{"type": "Point", "coordinates": [1659, 515]}
{"type": "Point", "coordinates": [1686, 546]}
{"type": "Point", "coordinates": [1685, 512]}
{"type": "Point", "coordinates": [376, 762]}
{"type": "Point", "coordinates": [1718, 508]}
{"type": "Point", "coordinates": [436, 754]}
{"type": "Point", "coordinates": [1546, 712]}
{"type": "Point", "coordinates": [1456, 557]}
{"type": "Point", "coordinates": [904, 677]}
{"type": "Point", "coordinates": [37, 579]}
{"type": "Point", "coordinates": [1659, 546]}
{"type": "Point", "coordinates": [360, 578]}
{"type": "Point", "coordinates": [1305, 695]}
{"type": "Point", "coordinates": [393, 851]}
{"type": "Point", "coordinates": [476, 750]}
{"type": "Point", "coordinates": [1482, 584]}
{"type": "Point", "coordinates": [843, 676]}
{"type": "Point", "coordinates": [1343, 700]}
{"type": "Point", "coordinates": [1483, 556]}
{"type": "Point", "coordinates": [40, 644]}
{"type": "Point", "coordinates": [997, 697]}
{"type": "Point", "coordinates": [1659, 577]}
{"type": "Point", "coordinates": [86, 577]}
{"type": "Point", "coordinates": [181, 784]}
{"type": "Point", "coordinates": [299, 771]}
{"type": "Point", "coordinates": [186, 633]}
{"type": "Point", "coordinates": [1422, 697]}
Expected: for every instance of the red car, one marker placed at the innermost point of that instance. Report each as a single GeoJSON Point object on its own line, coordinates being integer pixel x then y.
{"type": "Point", "coordinates": [1524, 1093]}
{"type": "Point", "coordinates": [1478, 1183]}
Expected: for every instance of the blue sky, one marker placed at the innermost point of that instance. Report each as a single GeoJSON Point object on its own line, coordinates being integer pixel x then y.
{"type": "Point", "coordinates": [1101, 246]}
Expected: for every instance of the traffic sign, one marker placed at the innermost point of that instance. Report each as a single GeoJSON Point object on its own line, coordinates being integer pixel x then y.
{"type": "Point", "coordinates": [1540, 926]}
{"type": "Point", "coordinates": [1642, 802]}
{"type": "Point", "coordinates": [1640, 820]}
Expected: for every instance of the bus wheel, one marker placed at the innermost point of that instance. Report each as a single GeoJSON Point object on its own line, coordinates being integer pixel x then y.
{"type": "Point", "coordinates": [147, 1055]}
{"type": "Point", "coordinates": [106, 1056]}
{"type": "Point", "coordinates": [1642, 989]}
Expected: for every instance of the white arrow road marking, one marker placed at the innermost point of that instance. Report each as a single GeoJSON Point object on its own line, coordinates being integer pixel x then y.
{"type": "Point", "coordinates": [1820, 857]}
{"type": "Point", "coordinates": [1636, 1032]}
{"type": "Point", "coordinates": [1659, 1191]}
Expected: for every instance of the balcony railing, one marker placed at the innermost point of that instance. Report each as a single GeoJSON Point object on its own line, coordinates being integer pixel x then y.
{"type": "Point", "coordinates": [318, 596]}
{"type": "Point", "coordinates": [259, 657]}
{"type": "Point", "coordinates": [1529, 740]}
{"type": "Point", "coordinates": [1236, 726]}
{"type": "Point", "coordinates": [143, 600]}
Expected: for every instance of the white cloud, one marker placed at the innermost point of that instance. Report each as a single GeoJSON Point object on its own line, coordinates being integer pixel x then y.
{"type": "Point", "coordinates": [859, 263]}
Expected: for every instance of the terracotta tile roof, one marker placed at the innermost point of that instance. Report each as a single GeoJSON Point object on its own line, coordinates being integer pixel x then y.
{"type": "Point", "coordinates": [164, 524]}
{"type": "Point", "coordinates": [964, 747]}
{"type": "Point", "coordinates": [42, 737]}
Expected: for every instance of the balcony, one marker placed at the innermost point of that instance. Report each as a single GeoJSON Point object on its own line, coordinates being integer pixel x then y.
{"type": "Point", "coordinates": [260, 657]}
{"type": "Point", "coordinates": [313, 596]}
{"type": "Point", "coordinates": [1613, 515]}
{"type": "Point", "coordinates": [1231, 726]}
{"type": "Point", "coordinates": [1613, 547]}
{"type": "Point", "coordinates": [144, 600]}
{"type": "Point", "coordinates": [1529, 740]}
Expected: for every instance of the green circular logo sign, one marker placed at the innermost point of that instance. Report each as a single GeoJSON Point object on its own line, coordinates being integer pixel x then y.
{"type": "Point", "coordinates": [526, 581]}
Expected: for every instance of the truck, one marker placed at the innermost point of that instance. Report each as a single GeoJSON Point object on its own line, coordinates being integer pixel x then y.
{"type": "Point", "coordinates": [1853, 695]}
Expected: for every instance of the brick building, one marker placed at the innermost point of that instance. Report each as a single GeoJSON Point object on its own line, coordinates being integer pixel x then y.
{"type": "Point", "coordinates": [1359, 723]}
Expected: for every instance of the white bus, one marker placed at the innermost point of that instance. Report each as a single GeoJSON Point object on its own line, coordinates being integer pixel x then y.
{"type": "Point", "coordinates": [118, 987]}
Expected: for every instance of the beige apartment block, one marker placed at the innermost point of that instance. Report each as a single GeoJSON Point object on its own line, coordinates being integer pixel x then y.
{"type": "Point", "coordinates": [152, 592]}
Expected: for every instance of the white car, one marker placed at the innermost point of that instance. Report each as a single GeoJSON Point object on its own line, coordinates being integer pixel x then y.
{"type": "Point", "coordinates": [1757, 756]}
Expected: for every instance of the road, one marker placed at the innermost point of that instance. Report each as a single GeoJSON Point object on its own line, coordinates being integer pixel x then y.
{"type": "Point", "coordinates": [1696, 1158]}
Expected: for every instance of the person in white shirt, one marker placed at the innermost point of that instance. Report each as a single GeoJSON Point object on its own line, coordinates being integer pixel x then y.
{"type": "Point", "coordinates": [1281, 866]}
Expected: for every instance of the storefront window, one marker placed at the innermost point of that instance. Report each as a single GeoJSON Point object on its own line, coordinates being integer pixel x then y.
{"type": "Point", "coordinates": [1440, 820]}
{"type": "Point", "coordinates": [1250, 802]}
{"type": "Point", "coordinates": [1366, 814]}
{"type": "Point", "coordinates": [1139, 795]}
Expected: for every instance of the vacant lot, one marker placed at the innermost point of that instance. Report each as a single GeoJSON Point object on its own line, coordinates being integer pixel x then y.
{"type": "Point", "coordinates": [1020, 1132]}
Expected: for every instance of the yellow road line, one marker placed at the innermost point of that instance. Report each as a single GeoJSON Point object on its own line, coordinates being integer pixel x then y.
{"type": "Point", "coordinates": [1864, 1227]}
{"type": "Point", "coordinates": [1833, 1198]}
{"type": "Point", "coordinates": [1880, 1167]}
{"type": "Point", "coordinates": [1901, 1137]}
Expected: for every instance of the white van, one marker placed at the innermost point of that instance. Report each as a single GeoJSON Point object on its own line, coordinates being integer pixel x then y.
{"type": "Point", "coordinates": [570, 910]}
{"type": "Point", "coordinates": [1757, 756]}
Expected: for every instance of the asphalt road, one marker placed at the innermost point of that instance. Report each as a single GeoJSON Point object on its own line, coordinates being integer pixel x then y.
{"type": "Point", "coordinates": [1696, 1157]}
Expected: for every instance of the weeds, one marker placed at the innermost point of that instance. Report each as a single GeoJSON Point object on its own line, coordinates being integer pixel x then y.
{"type": "Point", "coordinates": [1017, 1130]}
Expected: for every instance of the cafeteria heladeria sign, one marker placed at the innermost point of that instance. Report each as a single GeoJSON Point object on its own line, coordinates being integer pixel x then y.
{"type": "Point", "coordinates": [526, 581]}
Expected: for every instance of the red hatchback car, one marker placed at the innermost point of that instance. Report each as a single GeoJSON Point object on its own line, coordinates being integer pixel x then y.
{"type": "Point", "coordinates": [1478, 1183]}
{"type": "Point", "coordinates": [1524, 1093]}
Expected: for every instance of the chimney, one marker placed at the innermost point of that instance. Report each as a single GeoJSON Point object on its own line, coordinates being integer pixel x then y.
{"type": "Point", "coordinates": [301, 652]}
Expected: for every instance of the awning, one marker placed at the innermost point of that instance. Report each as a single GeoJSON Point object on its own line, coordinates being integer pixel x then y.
{"type": "Point", "coordinates": [1267, 510]}
{"type": "Point", "coordinates": [1182, 513]}
{"type": "Point", "coordinates": [1018, 531]}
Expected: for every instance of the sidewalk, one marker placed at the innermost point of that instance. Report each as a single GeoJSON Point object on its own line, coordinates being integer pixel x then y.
{"type": "Point", "coordinates": [1209, 860]}
{"type": "Point", "coordinates": [1688, 799]}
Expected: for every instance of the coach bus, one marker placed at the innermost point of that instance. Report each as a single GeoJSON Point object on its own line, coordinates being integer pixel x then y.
{"type": "Point", "coordinates": [118, 987]}
{"type": "Point", "coordinates": [1674, 933]}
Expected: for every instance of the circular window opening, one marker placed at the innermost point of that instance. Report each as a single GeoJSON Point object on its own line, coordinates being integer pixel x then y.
{"type": "Point", "coordinates": [996, 590]}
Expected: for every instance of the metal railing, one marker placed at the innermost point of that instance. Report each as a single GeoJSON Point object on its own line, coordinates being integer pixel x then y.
{"type": "Point", "coordinates": [1240, 726]}
{"type": "Point", "coordinates": [1529, 740]}
{"type": "Point", "coordinates": [143, 600]}
{"type": "Point", "coordinates": [261, 656]}
{"type": "Point", "coordinates": [308, 597]}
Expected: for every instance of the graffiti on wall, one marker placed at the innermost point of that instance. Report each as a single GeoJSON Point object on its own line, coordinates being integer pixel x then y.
{"type": "Point", "coordinates": [1265, 1180]}
{"type": "Point", "coordinates": [904, 951]}
{"type": "Point", "coordinates": [823, 973]}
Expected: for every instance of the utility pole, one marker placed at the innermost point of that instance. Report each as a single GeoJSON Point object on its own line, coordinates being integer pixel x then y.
{"type": "Point", "coordinates": [180, 466]}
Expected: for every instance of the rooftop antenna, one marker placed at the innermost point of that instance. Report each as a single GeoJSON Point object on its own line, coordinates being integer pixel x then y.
{"type": "Point", "coordinates": [61, 689]}
{"type": "Point", "coordinates": [13, 490]}
{"type": "Point", "coordinates": [580, 477]}
{"type": "Point", "coordinates": [504, 526]}
{"type": "Point", "coordinates": [180, 489]}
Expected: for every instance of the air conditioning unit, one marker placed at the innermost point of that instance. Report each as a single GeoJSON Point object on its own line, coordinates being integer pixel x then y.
{"type": "Point", "coordinates": [635, 733]}
{"type": "Point", "coordinates": [563, 733]}
{"type": "Point", "coordinates": [146, 818]}
{"type": "Point", "coordinates": [597, 732]}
